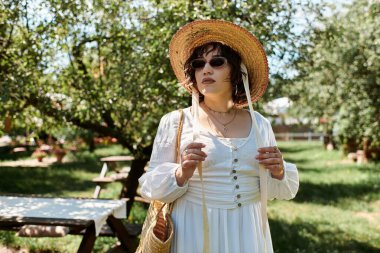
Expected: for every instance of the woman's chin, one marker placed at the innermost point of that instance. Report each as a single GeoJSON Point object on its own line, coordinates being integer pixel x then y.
{"type": "Point", "coordinates": [208, 91]}
{"type": "Point", "coordinates": [209, 94]}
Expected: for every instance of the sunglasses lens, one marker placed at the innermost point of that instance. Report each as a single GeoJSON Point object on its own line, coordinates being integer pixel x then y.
{"type": "Point", "coordinates": [197, 63]}
{"type": "Point", "coordinates": [214, 62]}
{"type": "Point", "coordinates": [218, 61]}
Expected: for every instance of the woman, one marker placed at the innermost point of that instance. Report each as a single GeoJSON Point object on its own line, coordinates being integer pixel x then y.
{"type": "Point", "coordinates": [225, 68]}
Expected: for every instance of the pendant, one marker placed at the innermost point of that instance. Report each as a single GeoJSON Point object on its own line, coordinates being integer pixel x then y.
{"type": "Point", "coordinates": [225, 129]}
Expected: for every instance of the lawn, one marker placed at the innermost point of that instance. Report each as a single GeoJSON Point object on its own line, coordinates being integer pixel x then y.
{"type": "Point", "coordinates": [337, 208]}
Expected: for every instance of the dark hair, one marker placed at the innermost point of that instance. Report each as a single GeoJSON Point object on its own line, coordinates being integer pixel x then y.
{"type": "Point", "coordinates": [233, 59]}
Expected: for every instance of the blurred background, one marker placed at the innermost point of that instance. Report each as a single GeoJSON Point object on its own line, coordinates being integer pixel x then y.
{"type": "Point", "coordinates": [87, 79]}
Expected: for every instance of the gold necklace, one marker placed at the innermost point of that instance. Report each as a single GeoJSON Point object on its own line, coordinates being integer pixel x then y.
{"type": "Point", "coordinates": [225, 128]}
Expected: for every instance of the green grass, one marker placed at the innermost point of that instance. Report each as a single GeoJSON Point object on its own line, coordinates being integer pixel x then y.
{"type": "Point", "coordinates": [70, 179]}
{"type": "Point", "coordinates": [337, 208]}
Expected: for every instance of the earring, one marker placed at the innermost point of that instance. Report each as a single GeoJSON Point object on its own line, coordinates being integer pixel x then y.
{"type": "Point", "coordinates": [236, 90]}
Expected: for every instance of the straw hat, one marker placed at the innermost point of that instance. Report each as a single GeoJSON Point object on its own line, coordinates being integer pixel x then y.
{"type": "Point", "coordinates": [200, 32]}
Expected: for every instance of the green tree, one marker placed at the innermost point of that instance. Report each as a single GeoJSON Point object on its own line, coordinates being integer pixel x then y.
{"type": "Point", "coordinates": [103, 65]}
{"type": "Point", "coordinates": [338, 76]}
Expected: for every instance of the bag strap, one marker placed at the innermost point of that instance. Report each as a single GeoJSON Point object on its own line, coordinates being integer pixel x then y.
{"type": "Point", "coordinates": [177, 149]}
{"type": "Point", "coordinates": [178, 140]}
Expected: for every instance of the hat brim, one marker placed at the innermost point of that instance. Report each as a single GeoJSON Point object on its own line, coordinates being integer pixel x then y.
{"type": "Point", "coordinates": [201, 32]}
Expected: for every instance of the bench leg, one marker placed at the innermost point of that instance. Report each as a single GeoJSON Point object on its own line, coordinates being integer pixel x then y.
{"type": "Point", "coordinates": [98, 188]}
{"type": "Point", "coordinates": [127, 242]}
{"type": "Point", "coordinates": [88, 240]}
{"type": "Point", "coordinates": [101, 175]}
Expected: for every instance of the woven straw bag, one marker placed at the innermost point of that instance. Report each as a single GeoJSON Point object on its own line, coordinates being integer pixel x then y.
{"type": "Point", "coordinates": [158, 229]}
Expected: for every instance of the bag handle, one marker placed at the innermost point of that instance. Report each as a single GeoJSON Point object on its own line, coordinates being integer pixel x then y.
{"type": "Point", "coordinates": [178, 140]}
{"type": "Point", "coordinates": [169, 206]}
{"type": "Point", "coordinates": [178, 147]}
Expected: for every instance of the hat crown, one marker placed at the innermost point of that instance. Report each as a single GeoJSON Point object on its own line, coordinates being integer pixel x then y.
{"type": "Point", "coordinates": [201, 32]}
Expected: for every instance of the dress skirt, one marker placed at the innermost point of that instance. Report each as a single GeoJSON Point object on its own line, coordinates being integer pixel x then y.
{"type": "Point", "coordinates": [230, 230]}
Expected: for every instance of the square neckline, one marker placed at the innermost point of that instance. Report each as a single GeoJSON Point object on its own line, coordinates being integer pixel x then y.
{"type": "Point", "coordinates": [229, 139]}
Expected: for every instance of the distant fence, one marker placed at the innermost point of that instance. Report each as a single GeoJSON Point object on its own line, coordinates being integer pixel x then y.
{"type": "Point", "coordinates": [309, 136]}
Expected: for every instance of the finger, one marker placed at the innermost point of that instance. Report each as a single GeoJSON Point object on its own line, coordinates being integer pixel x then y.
{"type": "Point", "coordinates": [196, 151]}
{"type": "Point", "coordinates": [195, 145]}
{"type": "Point", "coordinates": [194, 157]}
{"type": "Point", "coordinates": [273, 149]}
{"type": "Point", "coordinates": [268, 155]}
{"type": "Point", "coordinates": [270, 161]}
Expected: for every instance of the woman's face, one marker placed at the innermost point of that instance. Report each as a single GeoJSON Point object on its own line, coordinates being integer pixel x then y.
{"type": "Point", "coordinates": [213, 81]}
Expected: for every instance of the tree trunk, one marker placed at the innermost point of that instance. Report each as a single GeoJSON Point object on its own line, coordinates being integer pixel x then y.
{"type": "Point", "coordinates": [350, 146]}
{"type": "Point", "coordinates": [131, 184]}
{"type": "Point", "coordinates": [89, 139]}
{"type": "Point", "coordinates": [7, 124]}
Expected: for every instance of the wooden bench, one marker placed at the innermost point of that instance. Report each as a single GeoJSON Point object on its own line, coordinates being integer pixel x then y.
{"type": "Point", "coordinates": [118, 176]}
{"type": "Point", "coordinates": [133, 230]}
{"type": "Point", "coordinates": [15, 213]}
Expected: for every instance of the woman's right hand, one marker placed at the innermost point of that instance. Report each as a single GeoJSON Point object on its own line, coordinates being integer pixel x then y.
{"type": "Point", "coordinates": [190, 158]}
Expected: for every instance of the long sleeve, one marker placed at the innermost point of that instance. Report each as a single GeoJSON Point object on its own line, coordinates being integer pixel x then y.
{"type": "Point", "coordinates": [286, 188]}
{"type": "Point", "coordinates": [159, 182]}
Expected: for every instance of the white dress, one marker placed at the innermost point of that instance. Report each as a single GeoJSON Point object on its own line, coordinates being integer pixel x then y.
{"type": "Point", "coordinates": [231, 185]}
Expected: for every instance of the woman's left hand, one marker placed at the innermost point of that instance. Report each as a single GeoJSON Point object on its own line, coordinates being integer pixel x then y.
{"type": "Point", "coordinates": [271, 158]}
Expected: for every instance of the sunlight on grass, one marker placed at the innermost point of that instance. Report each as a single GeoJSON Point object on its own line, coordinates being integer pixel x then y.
{"type": "Point", "coordinates": [337, 208]}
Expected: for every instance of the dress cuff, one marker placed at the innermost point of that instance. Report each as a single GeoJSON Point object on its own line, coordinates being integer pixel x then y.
{"type": "Point", "coordinates": [161, 184]}
{"type": "Point", "coordinates": [287, 187]}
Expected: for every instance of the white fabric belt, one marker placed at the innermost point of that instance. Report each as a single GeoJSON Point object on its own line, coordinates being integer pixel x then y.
{"type": "Point", "coordinates": [227, 196]}
{"type": "Point", "coordinates": [227, 202]}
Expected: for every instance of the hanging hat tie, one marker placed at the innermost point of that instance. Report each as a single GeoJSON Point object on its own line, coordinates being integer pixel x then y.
{"type": "Point", "coordinates": [260, 143]}
{"type": "Point", "coordinates": [195, 111]}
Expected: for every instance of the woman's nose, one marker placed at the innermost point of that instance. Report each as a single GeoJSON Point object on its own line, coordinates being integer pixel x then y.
{"type": "Point", "coordinates": [207, 69]}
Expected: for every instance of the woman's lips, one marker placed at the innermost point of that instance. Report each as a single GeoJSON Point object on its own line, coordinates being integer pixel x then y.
{"type": "Point", "coordinates": [208, 80]}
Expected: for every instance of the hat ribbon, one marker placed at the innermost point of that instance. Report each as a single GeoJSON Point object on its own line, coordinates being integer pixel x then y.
{"type": "Point", "coordinates": [195, 111]}
{"type": "Point", "coordinates": [260, 143]}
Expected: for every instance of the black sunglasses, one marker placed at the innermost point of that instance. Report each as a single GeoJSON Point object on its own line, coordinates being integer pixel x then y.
{"type": "Point", "coordinates": [215, 62]}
